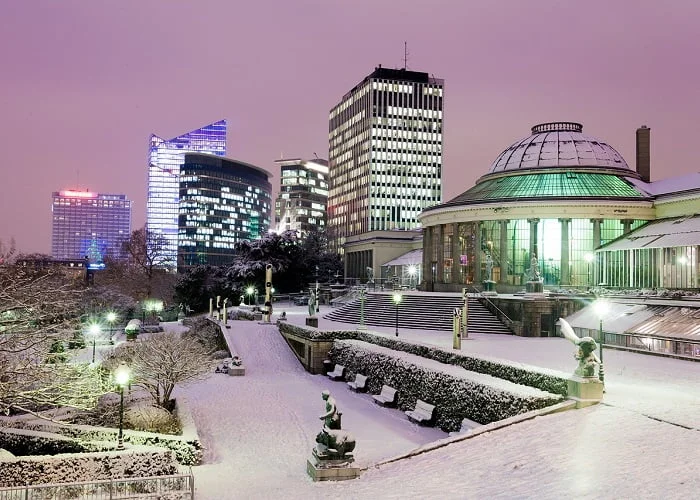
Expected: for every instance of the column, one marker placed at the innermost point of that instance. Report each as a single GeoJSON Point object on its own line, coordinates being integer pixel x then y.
{"type": "Point", "coordinates": [477, 254]}
{"type": "Point", "coordinates": [597, 263]}
{"type": "Point", "coordinates": [427, 256]}
{"type": "Point", "coordinates": [565, 275]}
{"type": "Point", "coordinates": [440, 237]}
{"type": "Point", "coordinates": [455, 250]}
{"type": "Point", "coordinates": [626, 225]}
{"type": "Point", "coordinates": [533, 238]}
{"type": "Point", "coordinates": [503, 252]}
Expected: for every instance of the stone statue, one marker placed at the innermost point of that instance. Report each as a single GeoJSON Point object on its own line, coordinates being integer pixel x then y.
{"type": "Point", "coordinates": [489, 267]}
{"type": "Point", "coordinates": [242, 298]}
{"type": "Point", "coordinates": [312, 302]}
{"type": "Point", "coordinates": [370, 274]}
{"type": "Point", "coordinates": [585, 355]}
{"type": "Point", "coordinates": [534, 274]}
{"type": "Point", "coordinates": [334, 444]}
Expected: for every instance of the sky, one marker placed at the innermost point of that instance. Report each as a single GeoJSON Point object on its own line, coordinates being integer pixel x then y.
{"type": "Point", "coordinates": [83, 84]}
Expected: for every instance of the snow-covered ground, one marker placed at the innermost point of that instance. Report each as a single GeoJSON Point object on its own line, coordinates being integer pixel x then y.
{"type": "Point", "coordinates": [259, 430]}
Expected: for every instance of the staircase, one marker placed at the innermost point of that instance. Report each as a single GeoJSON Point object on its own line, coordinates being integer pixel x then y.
{"type": "Point", "coordinates": [418, 311]}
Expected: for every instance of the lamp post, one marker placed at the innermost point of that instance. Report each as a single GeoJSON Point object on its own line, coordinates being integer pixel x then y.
{"type": "Point", "coordinates": [589, 258]}
{"type": "Point", "coordinates": [363, 295]}
{"type": "Point", "coordinates": [121, 377]}
{"type": "Point", "coordinates": [94, 331]}
{"type": "Point", "coordinates": [249, 292]}
{"type": "Point", "coordinates": [111, 318]}
{"type": "Point", "coordinates": [601, 308]}
{"type": "Point", "coordinates": [397, 301]}
{"type": "Point", "coordinates": [412, 271]}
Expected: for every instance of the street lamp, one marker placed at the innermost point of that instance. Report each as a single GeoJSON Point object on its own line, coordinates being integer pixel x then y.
{"type": "Point", "coordinates": [601, 308]}
{"type": "Point", "coordinates": [397, 301]}
{"type": "Point", "coordinates": [249, 291]}
{"type": "Point", "coordinates": [412, 271]}
{"type": "Point", "coordinates": [589, 258]}
{"type": "Point", "coordinates": [121, 377]}
{"type": "Point", "coordinates": [111, 318]}
{"type": "Point", "coordinates": [94, 331]}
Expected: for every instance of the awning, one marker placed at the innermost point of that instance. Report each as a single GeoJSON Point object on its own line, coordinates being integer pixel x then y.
{"type": "Point", "coordinates": [412, 258]}
{"type": "Point", "coordinates": [664, 233]}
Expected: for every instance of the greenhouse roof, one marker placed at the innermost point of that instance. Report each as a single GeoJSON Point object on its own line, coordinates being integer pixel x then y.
{"type": "Point", "coordinates": [562, 184]}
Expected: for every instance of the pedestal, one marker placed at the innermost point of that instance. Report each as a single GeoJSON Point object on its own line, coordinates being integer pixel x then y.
{"type": "Point", "coordinates": [257, 316]}
{"type": "Point", "coordinates": [534, 289]}
{"type": "Point", "coordinates": [312, 321]}
{"type": "Point", "coordinates": [236, 371]}
{"type": "Point", "coordinates": [325, 470]}
{"type": "Point", "coordinates": [586, 391]}
{"type": "Point", "coordinates": [489, 287]}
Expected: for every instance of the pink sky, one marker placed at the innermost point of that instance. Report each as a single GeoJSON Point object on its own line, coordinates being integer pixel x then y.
{"type": "Point", "coordinates": [85, 83]}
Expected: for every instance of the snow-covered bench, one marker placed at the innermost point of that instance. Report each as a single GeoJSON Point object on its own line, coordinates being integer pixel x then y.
{"type": "Point", "coordinates": [387, 397]}
{"type": "Point", "coordinates": [359, 384]}
{"type": "Point", "coordinates": [467, 425]}
{"type": "Point", "coordinates": [422, 413]}
{"type": "Point", "coordinates": [337, 372]}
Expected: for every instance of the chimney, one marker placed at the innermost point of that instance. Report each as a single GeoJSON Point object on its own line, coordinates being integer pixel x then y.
{"type": "Point", "coordinates": [643, 162]}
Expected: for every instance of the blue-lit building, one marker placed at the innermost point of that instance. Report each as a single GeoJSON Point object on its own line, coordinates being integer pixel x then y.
{"type": "Point", "coordinates": [222, 201]}
{"type": "Point", "coordinates": [164, 159]}
{"type": "Point", "coordinates": [87, 224]}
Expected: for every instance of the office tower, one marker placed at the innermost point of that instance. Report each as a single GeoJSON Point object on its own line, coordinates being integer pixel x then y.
{"type": "Point", "coordinates": [301, 203]}
{"type": "Point", "coordinates": [164, 160]}
{"type": "Point", "coordinates": [222, 202]}
{"type": "Point", "coordinates": [385, 153]}
{"type": "Point", "coordinates": [89, 224]}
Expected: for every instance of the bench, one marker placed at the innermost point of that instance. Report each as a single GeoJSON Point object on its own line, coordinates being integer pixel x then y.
{"type": "Point", "coordinates": [466, 426]}
{"type": "Point", "coordinates": [422, 413]}
{"type": "Point", "coordinates": [337, 373]}
{"type": "Point", "coordinates": [359, 384]}
{"type": "Point", "coordinates": [387, 397]}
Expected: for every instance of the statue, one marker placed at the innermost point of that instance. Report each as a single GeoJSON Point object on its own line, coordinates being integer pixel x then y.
{"type": "Point", "coordinates": [312, 302]}
{"type": "Point", "coordinates": [489, 266]}
{"type": "Point", "coordinates": [586, 356]}
{"type": "Point", "coordinates": [333, 443]}
{"type": "Point", "coordinates": [534, 273]}
{"type": "Point", "coordinates": [242, 298]}
{"type": "Point", "coordinates": [370, 274]}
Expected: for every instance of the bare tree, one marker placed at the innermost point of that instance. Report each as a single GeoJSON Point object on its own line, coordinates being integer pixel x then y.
{"type": "Point", "coordinates": [39, 309]}
{"type": "Point", "coordinates": [163, 361]}
{"type": "Point", "coordinates": [148, 254]}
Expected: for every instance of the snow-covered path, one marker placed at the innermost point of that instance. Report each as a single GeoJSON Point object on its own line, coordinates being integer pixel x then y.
{"type": "Point", "coordinates": [259, 431]}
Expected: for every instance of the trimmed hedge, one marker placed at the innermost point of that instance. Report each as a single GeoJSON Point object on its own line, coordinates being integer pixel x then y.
{"type": "Point", "coordinates": [530, 376]}
{"type": "Point", "coordinates": [456, 395]}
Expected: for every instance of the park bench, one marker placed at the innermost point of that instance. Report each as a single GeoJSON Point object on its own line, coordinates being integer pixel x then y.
{"type": "Point", "coordinates": [337, 372]}
{"type": "Point", "coordinates": [466, 426]}
{"type": "Point", "coordinates": [387, 397]}
{"type": "Point", "coordinates": [422, 413]}
{"type": "Point", "coordinates": [359, 384]}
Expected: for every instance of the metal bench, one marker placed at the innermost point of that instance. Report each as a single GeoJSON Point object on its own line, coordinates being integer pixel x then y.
{"type": "Point", "coordinates": [337, 373]}
{"type": "Point", "coordinates": [467, 425]}
{"type": "Point", "coordinates": [387, 397]}
{"type": "Point", "coordinates": [422, 413]}
{"type": "Point", "coordinates": [359, 384]}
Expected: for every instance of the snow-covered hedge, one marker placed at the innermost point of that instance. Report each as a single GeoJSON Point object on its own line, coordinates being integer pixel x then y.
{"type": "Point", "coordinates": [26, 442]}
{"type": "Point", "coordinates": [546, 380]}
{"type": "Point", "coordinates": [456, 393]}
{"type": "Point", "coordinates": [137, 461]}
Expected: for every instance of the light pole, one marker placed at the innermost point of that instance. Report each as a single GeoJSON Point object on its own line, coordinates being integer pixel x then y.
{"type": "Point", "coordinates": [111, 318]}
{"type": "Point", "coordinates": [249, 292]}
{"type": "Point", "coordinates": [363, 296]}
{"type": "Point", "coordinates": [397, 301]}
{"type": "Point", "coordinates": [121, 377]}
{"type": "Point", "coordinates": [589, 258]}
{"type": "Point", "coordinates": [412, 271]}
{"type": "Point", "coordinates": [94, 331]}
{"type": "Point", "coordinates": [601, 307]}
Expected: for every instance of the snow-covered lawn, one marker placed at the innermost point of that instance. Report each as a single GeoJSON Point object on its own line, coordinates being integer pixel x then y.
{"type": "Point", "coordinates": [259, 431]}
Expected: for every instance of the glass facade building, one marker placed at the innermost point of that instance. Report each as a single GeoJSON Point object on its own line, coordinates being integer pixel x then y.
{"type": "Point", "coordinates": [222, 202]}
{"type": "Point", "coordinates": [164, 159]}
{"type": "Point", "coordinates": [302, 201]}
{"type": "Point", "coordinates": [385, 153]}
{"type": "Point", "coordinates": [89, 224]}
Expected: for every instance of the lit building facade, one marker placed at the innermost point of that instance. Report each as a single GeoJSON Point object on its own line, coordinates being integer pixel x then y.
{"type": "Point", "coordinates": [164, 159]}
{"type": "Point", "coordinates": [222, 202]}
{"type": "Point", "coordinates": [89, 224]}
{"type": "Point", "coordinates": [385, 154]}
{"type": "Point", "coordinates": [302, 201]}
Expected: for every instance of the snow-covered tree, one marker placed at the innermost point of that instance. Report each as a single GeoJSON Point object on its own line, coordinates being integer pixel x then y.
{"type": "Point", "coordinates": [39, 309]}
{"type": "Point", "coordinates": [148, 260]}
{"type": "Point", "coordinates": [163, 361]}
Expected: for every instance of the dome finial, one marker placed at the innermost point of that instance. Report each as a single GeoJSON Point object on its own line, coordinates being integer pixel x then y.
{"type": "Point", "coordinates": [557, 127]}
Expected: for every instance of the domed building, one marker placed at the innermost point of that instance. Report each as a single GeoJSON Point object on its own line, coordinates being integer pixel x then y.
{"type": "Point", "coordinates": [552, 198]}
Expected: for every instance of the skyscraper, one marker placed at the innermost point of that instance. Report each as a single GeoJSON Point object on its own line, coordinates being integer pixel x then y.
{"type": "Point", "coordinates": [164, 160]}
{"type": "Point", "coordinates": [222, 202]}
{"type": "Point", "coordinates": [89, 224]}
{"type": "Point", "coordinates": [301, 203]}
{"type": "Point", "coordinates": [385, 153]}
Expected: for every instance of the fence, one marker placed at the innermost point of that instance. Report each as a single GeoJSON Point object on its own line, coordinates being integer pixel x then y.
{"type": "Point", "coordinates": [177, 487]}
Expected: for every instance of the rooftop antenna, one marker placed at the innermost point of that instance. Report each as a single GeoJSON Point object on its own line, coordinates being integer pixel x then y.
{"type": "Point", "coordinates": [405, 55]}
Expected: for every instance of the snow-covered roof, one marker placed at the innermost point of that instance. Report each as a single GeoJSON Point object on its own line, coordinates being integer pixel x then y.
{"type": "Point", "coordinates": [413, 257]}
{"type": "Point", "coordinates": [672, 185]}
{"type": "Point", "coordinates": [663, 233]}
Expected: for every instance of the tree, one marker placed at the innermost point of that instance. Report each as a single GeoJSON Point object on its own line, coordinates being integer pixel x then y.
{"type": "Point", "coordinates": [196, 285]}
{"type": "Point", "coordinates": [148, 256]}
{"type": "Point", "coordinates": [38, 310]}
{"type": "Point", "coordinates": [162, 361]}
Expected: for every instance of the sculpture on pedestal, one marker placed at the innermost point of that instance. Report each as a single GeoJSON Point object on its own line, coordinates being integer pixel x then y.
{"type": "Point", "coordinates": [585, 355]}
{"type": "Point", "coordinates": [333, 443]}
{"type": "Point", "coordinates": [312, 302]}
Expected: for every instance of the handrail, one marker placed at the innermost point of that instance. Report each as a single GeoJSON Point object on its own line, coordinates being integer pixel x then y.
{"type": "Point", "coordinates": [509, 322]}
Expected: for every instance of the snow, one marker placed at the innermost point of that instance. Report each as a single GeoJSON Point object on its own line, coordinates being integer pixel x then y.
{"type": "Point", "coordinates": [258, 430]}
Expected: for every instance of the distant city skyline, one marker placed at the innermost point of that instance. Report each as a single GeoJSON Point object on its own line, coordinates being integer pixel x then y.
{"type": "Point", "coordinates": [81, 95]}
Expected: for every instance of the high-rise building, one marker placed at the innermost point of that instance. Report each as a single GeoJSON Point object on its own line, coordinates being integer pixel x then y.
{"type": "Point", "coordinates": [222, 202]}
{"type": "Point", "coordinates": [301, 203]}
{"type": "Point", "coordinates": [89, 224]}
{"type": "Point", "coordinates": [164, 160]}
{"type": "Point", "coordinates": [385, 153]}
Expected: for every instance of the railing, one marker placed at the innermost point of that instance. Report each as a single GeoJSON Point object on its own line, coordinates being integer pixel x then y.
{"type": "Point", "coordinates": [501, 315]}
{"type": "Point", "coordinates": [176, 487]}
